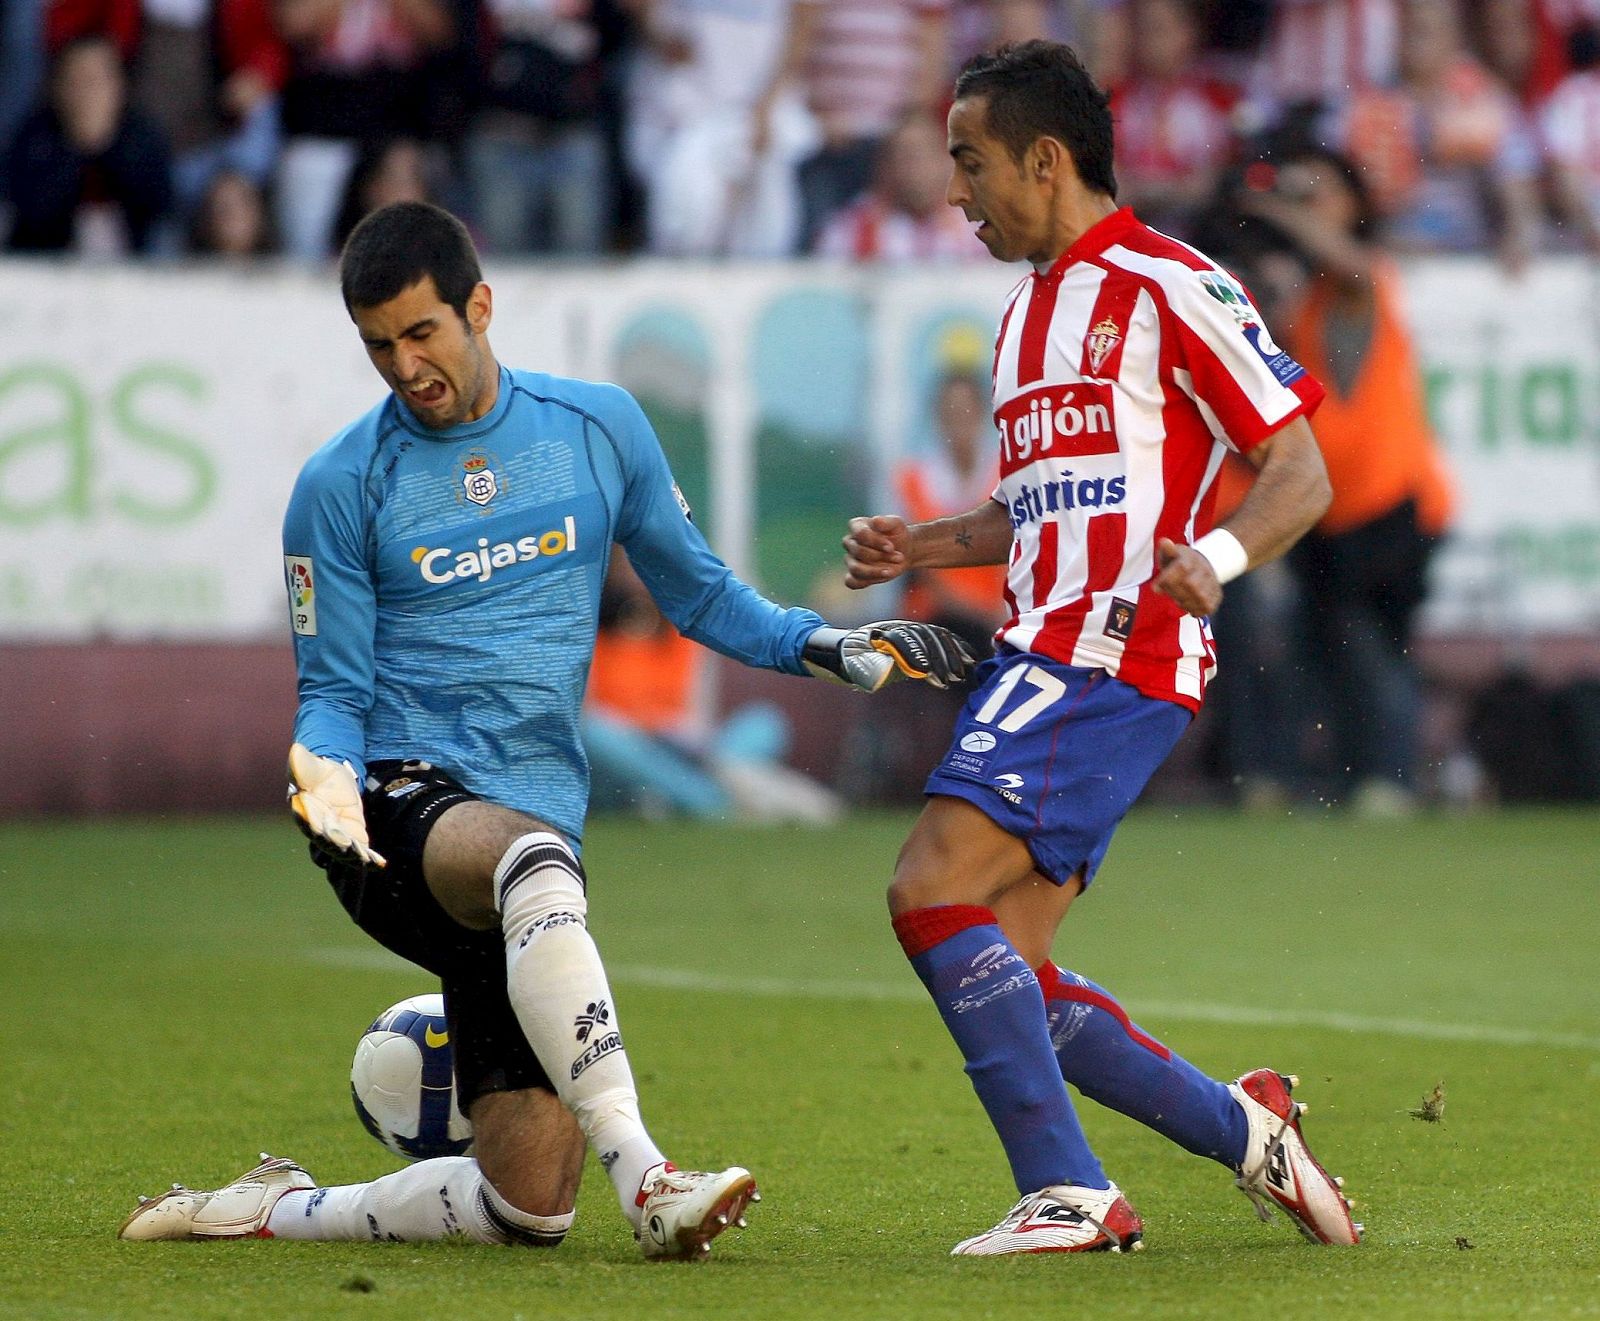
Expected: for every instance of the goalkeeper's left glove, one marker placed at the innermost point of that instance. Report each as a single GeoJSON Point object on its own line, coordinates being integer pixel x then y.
{"type": "Point", "coordinates": [326, 802]}
{"type": "Point", "coordinates": [876, 654]}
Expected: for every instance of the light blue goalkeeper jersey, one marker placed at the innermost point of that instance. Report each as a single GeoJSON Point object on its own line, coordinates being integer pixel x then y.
{"type": "Point", "coordinates": [444, 585]}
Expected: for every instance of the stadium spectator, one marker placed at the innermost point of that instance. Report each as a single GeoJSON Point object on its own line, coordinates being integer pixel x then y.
{"type": "Point", "coordinates": [958, 473]}
{"type": "Point", "coordinates": [1173, 121]}
{"type": "Point", "coordinates": [980, 25]}
{"type": "Point", "coordinates": [1506, 36]}
{"type": "Point", "coordinates": [232, 219]}
{"type": "Point", "coordinates": [411, 660]}
{"type": "Point", "coordinates": [537, 159]}
{"type": "Point", "coordinates": [1324, 51]}
{"type": "Point", "coordinates": [22, 64]}
{"type": "Point", "coordinates": [1106, 652]}
{"type": "Point", "coordinates": [388, 171]}
{"type": "Point", "coordinates": [865, 65]}
{"type": "Point", "coordinates": [1570, 127]}
{"type": "Point", "coordinates": [87, 173]}
{"type": "Point", "coordinates": [209, 72]}
{"type": "Point", "coordinates": [360, 71]}
{"type": "Point", "coordinates": [1449, 155]}
{"type": "Point", "coordinates": [652, 746]}
{"type": "Point", "coordinates": [1363, 569]}
{"type": "Point", "coordinates": [717, 126]}
{"type": "Point", "coordinates": [903, 217]}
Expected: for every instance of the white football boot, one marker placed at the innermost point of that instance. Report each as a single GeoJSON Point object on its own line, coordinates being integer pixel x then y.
{"type": "Point", "coordinates": [239, 1210]}
{"type": "Point", "coordinates": [1067, 1218]}
{"type": "Point", "coordinates": [682, 1210]}
{"type": "Point", "coordinates": [1279, 1169]}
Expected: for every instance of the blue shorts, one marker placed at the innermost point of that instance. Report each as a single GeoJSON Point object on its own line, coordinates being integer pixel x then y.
{"type": "Point", "coordinates": [1056, 755]}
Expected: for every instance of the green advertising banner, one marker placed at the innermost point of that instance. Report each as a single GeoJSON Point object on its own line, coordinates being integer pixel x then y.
{"type": "Point", "coordinates": [152, 422]}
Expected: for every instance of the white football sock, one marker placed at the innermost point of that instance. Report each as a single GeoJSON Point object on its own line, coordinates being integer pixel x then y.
{"type": "Point", "coordinates": [433, 1199]}
{"type": "Point", "coordinates": [557, 987]}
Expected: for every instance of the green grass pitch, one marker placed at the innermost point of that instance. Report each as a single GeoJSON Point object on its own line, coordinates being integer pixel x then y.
{"type": "Point", "coordinates": [181, 994]}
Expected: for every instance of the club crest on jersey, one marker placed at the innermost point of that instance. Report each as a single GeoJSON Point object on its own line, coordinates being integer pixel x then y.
{"type": "Point", "coordinates": [1104, 337]}
{"type": "Point", "coordinates": [1119, 619]}
{"type": "Point", "coordinates": [478, 481]}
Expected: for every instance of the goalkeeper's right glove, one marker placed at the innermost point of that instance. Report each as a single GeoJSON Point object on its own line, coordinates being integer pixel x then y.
{"type": "Point", "coordinates": [326, 802]}
{"type": "Point", "coordinates": [877, 654]}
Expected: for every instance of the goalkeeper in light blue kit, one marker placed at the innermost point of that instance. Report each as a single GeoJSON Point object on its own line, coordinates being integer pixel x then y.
{"type": "Point", "coordinates": [444, 556]}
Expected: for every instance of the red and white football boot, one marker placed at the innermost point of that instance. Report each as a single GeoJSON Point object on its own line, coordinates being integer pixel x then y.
{"type": "Point", "coordinates": [1279, 1169]}
{"type": "Point", "coordinates": [1067, 1218]}
{"type": "Point", "coordinates": [238, 1210]}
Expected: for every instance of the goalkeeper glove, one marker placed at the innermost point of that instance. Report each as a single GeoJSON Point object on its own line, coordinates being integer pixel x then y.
{"type": "Point", "coordinates": [876, 654]}
{"type": "Point", "coordinates": [326, 802]}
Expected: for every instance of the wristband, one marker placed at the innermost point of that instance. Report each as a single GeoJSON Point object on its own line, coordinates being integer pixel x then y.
{"type": "Point", "coordinates": [1227, 557]}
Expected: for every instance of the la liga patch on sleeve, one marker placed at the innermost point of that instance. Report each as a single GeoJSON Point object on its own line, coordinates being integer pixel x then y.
{"type": "Point", "coordinates": [299, 577]}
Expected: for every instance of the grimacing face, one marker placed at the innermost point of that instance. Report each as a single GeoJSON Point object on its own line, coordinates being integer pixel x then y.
{"type": "Point", "coordinates": [438, 365]}
{"type": "Point", "coordinates": [1010, 210]}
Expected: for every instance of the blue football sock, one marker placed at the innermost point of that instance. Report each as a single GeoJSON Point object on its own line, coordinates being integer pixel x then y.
{"type": "Point", "coordinates": [990, 1001]}
{"type": "Point", "coordinates": [1109, 1060]}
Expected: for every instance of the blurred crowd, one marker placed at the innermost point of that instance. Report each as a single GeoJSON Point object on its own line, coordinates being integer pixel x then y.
{"type": "Point", "coordinates": [705, 128]}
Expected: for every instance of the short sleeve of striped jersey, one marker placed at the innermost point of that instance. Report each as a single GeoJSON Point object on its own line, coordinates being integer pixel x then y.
{"type": "Point", "coordinates": [1243, 382]}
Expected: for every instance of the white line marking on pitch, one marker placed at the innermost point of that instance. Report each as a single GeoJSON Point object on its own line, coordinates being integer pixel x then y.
{"type": "Point", "coordinates": [683, 979]}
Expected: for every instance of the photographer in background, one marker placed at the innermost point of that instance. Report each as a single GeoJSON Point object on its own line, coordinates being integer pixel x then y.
{"type": "Point", "coordinates": [1362, 571]}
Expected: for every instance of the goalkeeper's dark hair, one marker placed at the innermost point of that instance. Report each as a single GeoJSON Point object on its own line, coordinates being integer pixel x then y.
{"type": "Point", "coordinates": [1040, 89]}
{"type": "Point", "coordinates": [400, 244]}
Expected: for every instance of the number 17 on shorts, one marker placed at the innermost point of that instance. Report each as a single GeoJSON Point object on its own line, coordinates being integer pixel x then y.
{"type": "Point", "coordinates": [1056, 755]}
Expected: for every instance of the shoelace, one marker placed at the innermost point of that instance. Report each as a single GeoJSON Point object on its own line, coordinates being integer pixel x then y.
{"type": "Point", "coordinates": [1019, 1213]}
{"type": "Point", "coordinates": [1263, 1202]}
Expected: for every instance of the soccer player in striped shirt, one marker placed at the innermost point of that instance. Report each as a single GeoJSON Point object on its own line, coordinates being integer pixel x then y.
{"type": "Point", "coordinates": [1127, 365]}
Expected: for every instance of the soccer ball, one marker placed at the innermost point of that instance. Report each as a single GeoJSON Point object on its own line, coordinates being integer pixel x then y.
{"type": "Point", "coordinates": [403, 1082]}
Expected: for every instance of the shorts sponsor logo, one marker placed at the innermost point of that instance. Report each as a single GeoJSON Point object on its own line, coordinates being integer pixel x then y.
{"type": "Point", "coordinates": [302, 594]}
{"type": "Point", "coordinates": [978, 741]}
{"type": "Point", "coordinates": [402, 788]}
{"type": "Point", "coordinates": [443, 564]}
{"type": "Point", "coordinates": [599, 1050]}
{"type": "Point", "coordinates": [1006, 786]}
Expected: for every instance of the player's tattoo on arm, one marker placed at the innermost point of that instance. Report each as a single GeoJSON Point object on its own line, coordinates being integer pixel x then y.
{"type": "Point", "coordinates": [964, 539]}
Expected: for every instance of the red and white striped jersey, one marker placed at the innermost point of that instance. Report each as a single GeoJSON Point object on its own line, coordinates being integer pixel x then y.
{"type": "Point", "coordinates": [1121, 376]}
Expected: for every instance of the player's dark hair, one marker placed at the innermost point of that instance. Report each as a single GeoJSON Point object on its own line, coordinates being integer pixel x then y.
{"type": "Point", "coordinates": [1039, 89]}
{"type": "Point", "coordinates": [399, 244]}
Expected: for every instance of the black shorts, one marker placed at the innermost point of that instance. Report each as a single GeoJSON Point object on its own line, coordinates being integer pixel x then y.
{"type": "Point", "coordinates": [393, 905]}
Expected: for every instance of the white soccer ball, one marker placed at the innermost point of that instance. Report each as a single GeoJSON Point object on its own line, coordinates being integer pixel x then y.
{"type": "Point", "coordinates": [403, 1082]}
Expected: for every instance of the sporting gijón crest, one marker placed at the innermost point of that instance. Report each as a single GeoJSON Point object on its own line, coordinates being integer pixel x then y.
{"type": "Point", "coordinates": [1098, 343]}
